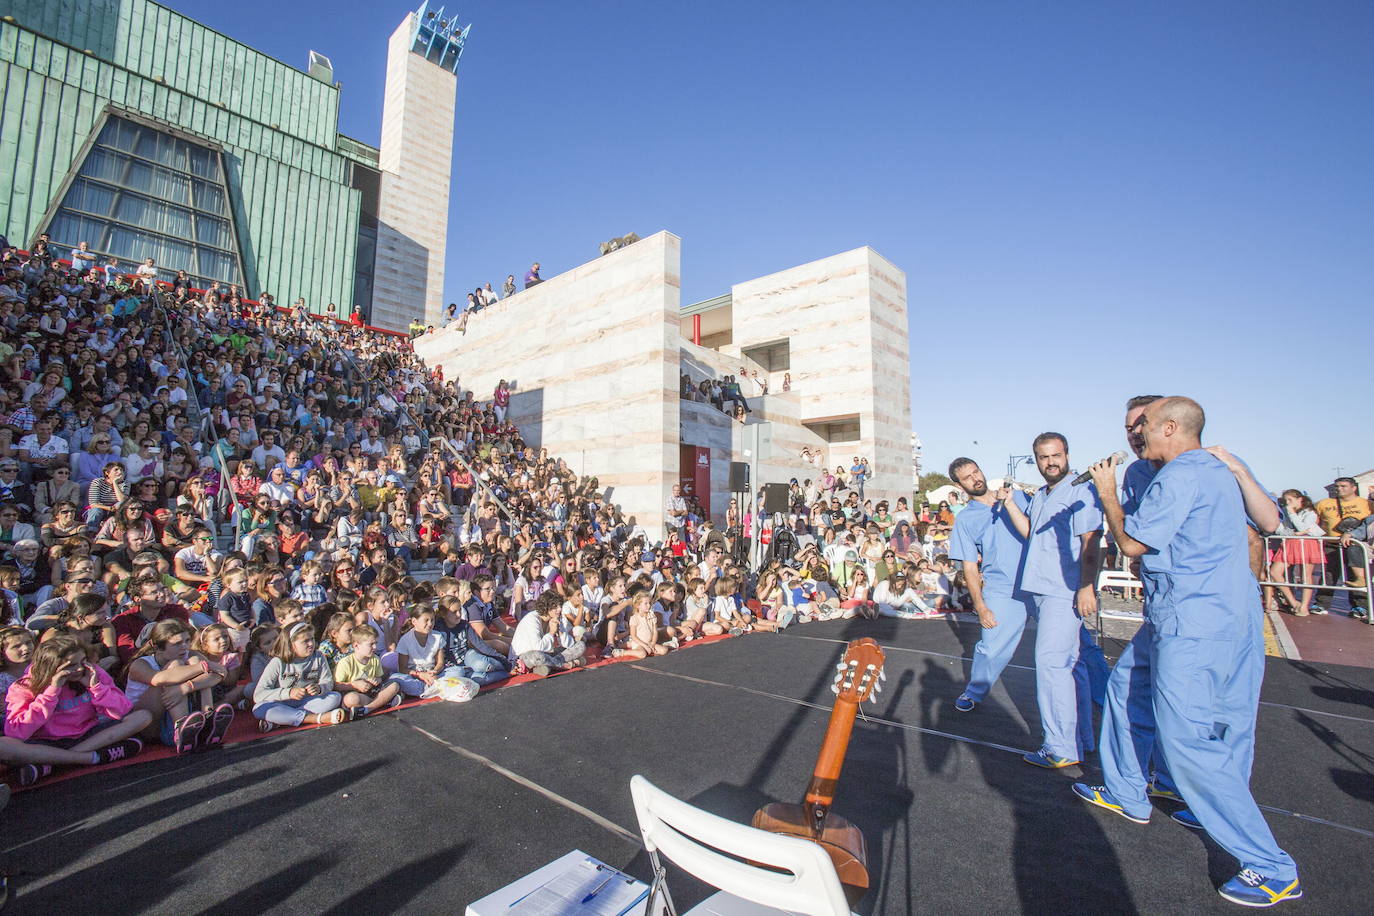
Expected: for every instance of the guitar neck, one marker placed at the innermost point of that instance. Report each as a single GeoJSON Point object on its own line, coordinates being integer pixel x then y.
{"type": "Point", "coordinates": [820, 792]}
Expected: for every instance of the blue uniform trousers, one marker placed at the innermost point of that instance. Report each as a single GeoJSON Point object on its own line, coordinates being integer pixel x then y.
{"type": "Point", "coordinates": [997, 644]}
{"type": "Point", "coordinates": [1062, 687]}
{"type": "Point", "coordinates": [1206, 696]}
{"type": "Point", "coordinates": [1128, 727]}
{"type": "Point", "coordinates": [1095, 664]}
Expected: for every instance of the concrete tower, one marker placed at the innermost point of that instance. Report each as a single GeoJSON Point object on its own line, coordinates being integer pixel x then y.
{"type": "Point", "coordinates": [416, 160]}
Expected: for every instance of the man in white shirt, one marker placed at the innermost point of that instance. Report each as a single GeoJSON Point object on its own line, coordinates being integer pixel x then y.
{"type": "Point", "coordinates": [675, 510]}
{"type": "Point", "coordinates": [41, 450]}
{"type": "Point", "coordinates": [268, 453]}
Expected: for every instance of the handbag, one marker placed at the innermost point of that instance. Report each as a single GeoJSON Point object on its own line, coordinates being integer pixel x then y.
{"type": "Point", "coordinates": [1345, 524]}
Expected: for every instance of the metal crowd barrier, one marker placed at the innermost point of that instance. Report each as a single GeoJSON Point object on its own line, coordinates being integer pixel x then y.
{"type": "Point", "coordinates": [1300, 563]}
{"type": "Point", "coordinates": [1296, 563]}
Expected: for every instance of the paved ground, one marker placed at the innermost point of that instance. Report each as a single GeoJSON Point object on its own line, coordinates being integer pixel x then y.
{"type": "Point", "coordinates": [426, 809]}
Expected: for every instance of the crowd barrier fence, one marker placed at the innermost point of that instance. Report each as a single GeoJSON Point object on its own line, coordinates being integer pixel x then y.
{"type": "Point", "coordinates": [1295, 564]}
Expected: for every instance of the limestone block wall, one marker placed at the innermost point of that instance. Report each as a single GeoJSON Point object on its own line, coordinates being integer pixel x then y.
{"type": "Point", "coordinates": [416, 157]}
{"type": "Point", "coordinates": [593, 358]}
{"type": "Point", "coordinates": [845, 319]}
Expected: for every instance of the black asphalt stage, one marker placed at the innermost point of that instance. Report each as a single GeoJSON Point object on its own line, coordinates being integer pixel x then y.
{"type": "Point", "coordinates": [427, 809]}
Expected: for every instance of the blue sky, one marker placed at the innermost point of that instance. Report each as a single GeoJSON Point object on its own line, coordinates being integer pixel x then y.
{"type": "Point", "coordinates": [1090, 200]}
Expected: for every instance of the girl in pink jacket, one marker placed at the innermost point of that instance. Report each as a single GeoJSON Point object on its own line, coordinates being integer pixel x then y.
{"type": "Point", "coordinates": [65, 702]}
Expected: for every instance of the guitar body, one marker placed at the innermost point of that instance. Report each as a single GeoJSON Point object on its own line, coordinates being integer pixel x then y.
{"type": "Point", "coordinates": [841, 839]}
{"type": "Point", "coordinates": [859, 673]}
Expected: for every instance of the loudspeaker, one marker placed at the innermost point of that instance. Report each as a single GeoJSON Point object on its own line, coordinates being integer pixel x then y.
{"type": "Point", "coordinates": [739, 477]}
{"type": "Point", "coordinates": [776, 497]}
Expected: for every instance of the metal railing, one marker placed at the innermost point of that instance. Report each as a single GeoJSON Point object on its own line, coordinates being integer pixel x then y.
{"type": "Point", "coordinates": [226, 500]}
{"type": "Point", "coordinates": [1296, 565]}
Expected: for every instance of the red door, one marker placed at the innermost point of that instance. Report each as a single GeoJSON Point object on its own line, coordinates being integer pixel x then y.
{"type": "Point", "coordinates": [694, 473]}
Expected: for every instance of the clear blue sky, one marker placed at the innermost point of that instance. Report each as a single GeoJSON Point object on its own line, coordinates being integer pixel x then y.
{"type": "Point", "coordinates": [1090, 200]}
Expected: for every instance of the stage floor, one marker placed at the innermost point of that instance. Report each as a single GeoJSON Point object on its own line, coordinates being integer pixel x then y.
{"type": "Point", "coordinates": [429, 808]}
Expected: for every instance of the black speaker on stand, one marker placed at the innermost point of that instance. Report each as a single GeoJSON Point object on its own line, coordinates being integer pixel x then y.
{"type": "Point", "coordinates": [739, 477]}
{"type": "Point", "coordinates": [776, 498]}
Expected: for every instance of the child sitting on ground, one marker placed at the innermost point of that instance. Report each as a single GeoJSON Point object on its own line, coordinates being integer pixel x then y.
{"type": "Point", "coordinates": [16, 647]}
{"type": "Point", "coordinates": [535, 643]}
{"type": "Point", "coordinates": [174, 686]}
{"type": "Point", "coordinates": [234, 608]}
{"type": "Point", "coordinates": [296, 687]}
{"type": "Point", "coordinates": [260, 643]}
{"type": "Point", "coordinates": [419, 653]}
{"type": "Point", "coordinates": [216, 646]}
{"type": "Point", "coordinates": [360, 674]}
{"type": "Point", "coordinates": [726, 608]}
{"type": "Point", "coordinates": [697, 610]}
{"type": "Point", "coordinates": [65, 702]}
{"type": "Point", "coordinates": [338, 637]}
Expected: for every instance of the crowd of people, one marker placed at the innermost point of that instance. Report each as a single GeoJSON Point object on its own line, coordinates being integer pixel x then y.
{"type": "Point", "coordinates": [143, 425]}
{"type": "Point", "coordinates": [727, 393]}
{"type": "Point", "coordinates": [480, 298]}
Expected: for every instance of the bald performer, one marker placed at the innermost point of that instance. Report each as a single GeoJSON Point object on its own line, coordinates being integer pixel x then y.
{"type": "Point", "coordinates": [1206, 643]}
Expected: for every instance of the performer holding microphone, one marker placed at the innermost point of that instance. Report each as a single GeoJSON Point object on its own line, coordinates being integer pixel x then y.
{"type": "Point", "coordinates": [1063, 528]}
{"type": "Point", "coordinates": [1205, 644]}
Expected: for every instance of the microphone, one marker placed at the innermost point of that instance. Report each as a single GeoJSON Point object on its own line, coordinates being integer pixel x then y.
{"type": "Point", "coordinates": [1086, 476]}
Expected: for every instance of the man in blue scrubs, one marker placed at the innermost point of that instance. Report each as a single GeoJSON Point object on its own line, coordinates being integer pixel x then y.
{"type": "Point", "coordinates": [1206, 639]}
{"type": "Point", "coordinates": [1127, 745]}
{"type": "Point", "coordinates": [984, 532]}
{"type": "Point", "coordinates": [1063, 528]}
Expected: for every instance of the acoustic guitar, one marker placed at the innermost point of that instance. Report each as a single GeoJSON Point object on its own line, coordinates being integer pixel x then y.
{"type": "Point", "coordinates": [856, 679]}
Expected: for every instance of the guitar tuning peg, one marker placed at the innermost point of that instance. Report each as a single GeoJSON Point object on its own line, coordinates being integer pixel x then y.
{"type": "Point", "coordinates": [872, 667]}
{"type": "Point", "coordinates": [841, 666]}
{"type": "Point", "coordinates": [835, 689]}
{"type": "Point", "coordinates": [882, 674]}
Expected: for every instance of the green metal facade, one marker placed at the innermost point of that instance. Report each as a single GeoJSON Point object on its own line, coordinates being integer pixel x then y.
{"type": "Point", "coordinates": [63, 62]}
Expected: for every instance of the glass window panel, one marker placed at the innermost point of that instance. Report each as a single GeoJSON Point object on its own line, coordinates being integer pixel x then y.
{"type": "Point", "coordinates": [90, 197]}
{"type": "Point", "coordinates": [204, 162]}
{"type": "Point", "coordinates": [159, 182]}
{"type": "Point", "coordinates": [105, 165]}
{"type": "Point", "coordinates": [218, 265]}
{"type": "Point", "coordinates": [208, 197]}
{"type": "Point", "coordinates": [213, 231]}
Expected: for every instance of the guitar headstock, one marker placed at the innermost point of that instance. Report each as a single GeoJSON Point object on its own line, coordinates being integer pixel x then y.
{"type": "Point", "coordinates": [859, 674]}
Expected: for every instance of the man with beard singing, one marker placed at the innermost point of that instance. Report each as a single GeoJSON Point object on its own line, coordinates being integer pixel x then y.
{"type": "Point", "coordinates": [991, 549]}
{"type": "Point", "coordinates": [1062, 528]}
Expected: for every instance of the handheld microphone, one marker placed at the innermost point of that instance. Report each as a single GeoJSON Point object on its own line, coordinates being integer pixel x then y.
{"type": "Point", "coordinates": [1086, 476]}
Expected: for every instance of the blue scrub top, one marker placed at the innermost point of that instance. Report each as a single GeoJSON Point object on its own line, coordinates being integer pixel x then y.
{"type": "Point", "coordinates": [1198, 562]}
{"type": "Point", "coordinates": [1058, 518]}
{"type": "Point", "coordinates": [1134, 482]}
{"type": "Point", "coordinates": [1139, 474]}
{"type": "Point", "coordinates": [985, 533]}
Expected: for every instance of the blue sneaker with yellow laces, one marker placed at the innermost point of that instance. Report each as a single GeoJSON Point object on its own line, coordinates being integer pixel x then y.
{"type": "Point", "coordinates": [1098, 795]}
{"type": "Point", "coordinates": [1250, 888]}
{"type": "Point", "coordinates": [1158, 790]}
{"type": "Point", "coordinates": [1043, 758]}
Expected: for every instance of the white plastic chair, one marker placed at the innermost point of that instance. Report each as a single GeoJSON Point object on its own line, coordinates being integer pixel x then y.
{"type": "Point", "coordinates": [691, 838]}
